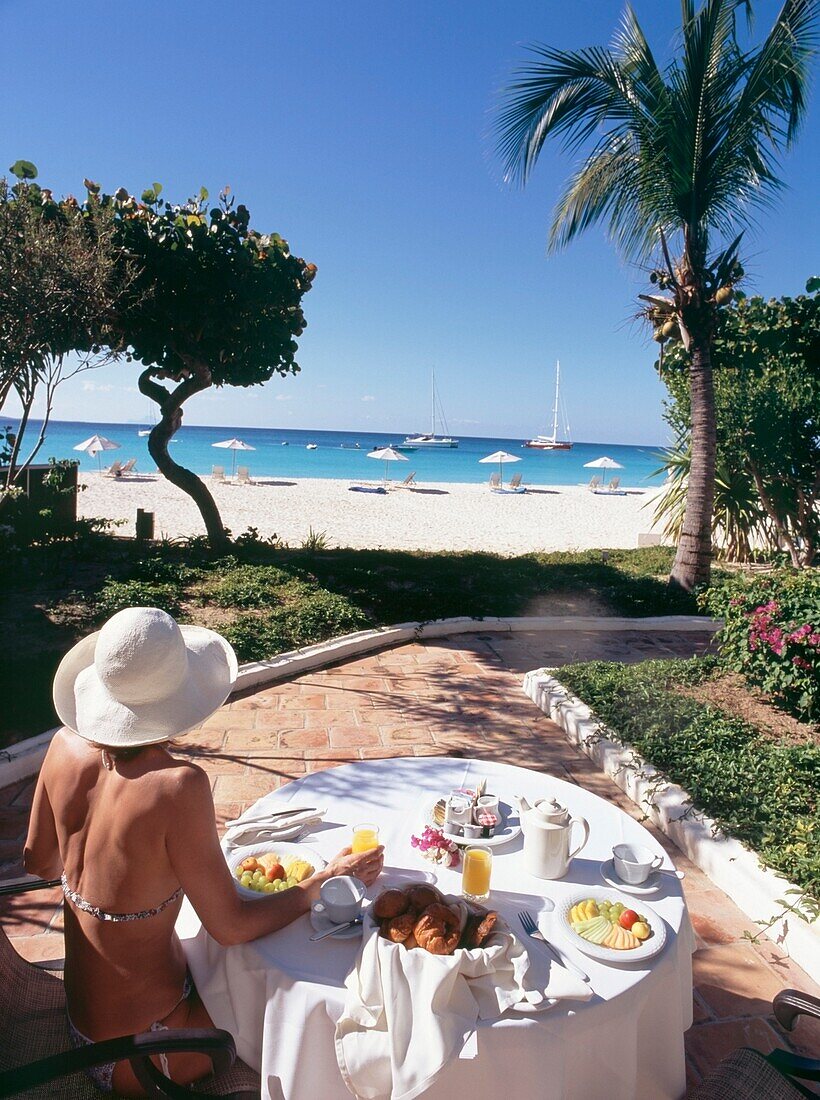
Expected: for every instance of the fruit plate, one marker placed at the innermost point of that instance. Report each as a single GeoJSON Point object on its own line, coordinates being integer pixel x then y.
{"type": "Point", "coordinates": [647, 949]}
{"type": "Point", "coordinates": [281, 848]}
{"type": "Point", "coordinates": [508, 830]}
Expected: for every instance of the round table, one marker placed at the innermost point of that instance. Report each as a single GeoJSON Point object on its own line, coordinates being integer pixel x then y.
{"type": "Point", "coordinates": [281, 995]}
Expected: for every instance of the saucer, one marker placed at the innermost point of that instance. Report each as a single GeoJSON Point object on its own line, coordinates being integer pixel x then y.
{"type": "Point", "coordinates": [322, 923]}
{"type": "Point", "coordinates": [612, 878]}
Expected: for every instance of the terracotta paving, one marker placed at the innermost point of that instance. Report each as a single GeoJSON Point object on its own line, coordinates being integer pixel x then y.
{"type": "Point", "coordinates": [458, 696]}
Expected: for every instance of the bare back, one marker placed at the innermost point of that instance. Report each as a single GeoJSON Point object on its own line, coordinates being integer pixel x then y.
{"type": "Point", "coordinates": [110, 830]}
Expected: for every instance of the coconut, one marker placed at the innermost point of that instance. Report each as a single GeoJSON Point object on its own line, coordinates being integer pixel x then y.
{"type": "Point", "coordinates": [658, 336]}
{"type": "Point", "coordinates": [724, 295]}
{"type": "Point", "coordinates": [670, 330]}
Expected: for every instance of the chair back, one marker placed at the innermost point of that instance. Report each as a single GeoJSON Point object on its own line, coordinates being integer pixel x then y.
{"type": "Point", "coordinates": [129, 466]}
{"type": "Point", "coordinates": [615, 483]}
{"type": "Point", "coordinates": [113, 469]}
{"type": "Point", "coordinates": [495, 481]}
{"type": "Point", "coordinates": [242, 473]}
{"type": "Point", "coordinates": [595, 481]}
{"type": "Point", "coordinates": [515, 481]}
{"type": "Point", "coordinates": [218, 473]}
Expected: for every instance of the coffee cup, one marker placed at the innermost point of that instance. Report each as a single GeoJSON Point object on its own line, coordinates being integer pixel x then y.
{"type": "Point", "coordinates": [634, 863]}
{"type": "Point", "coordinates": [341, 898]}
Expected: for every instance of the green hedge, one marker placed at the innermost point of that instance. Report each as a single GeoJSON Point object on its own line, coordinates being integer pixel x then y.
{"type": "Point", "coordinates": [772, 634]}
{"type": "Point", "coordinates": [762, 792]}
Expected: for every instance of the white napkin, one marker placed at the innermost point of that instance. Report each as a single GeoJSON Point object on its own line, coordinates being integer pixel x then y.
{"type": "Point", "coordinates": [409, 1013]}
{"type": "Point", "coordinates": [259, 827]}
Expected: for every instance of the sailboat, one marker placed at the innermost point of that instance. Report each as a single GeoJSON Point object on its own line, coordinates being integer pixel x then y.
{"type": "Point", "coordinates": [552, 442]}
{"type": "Point", "coordinates": [429, 439]}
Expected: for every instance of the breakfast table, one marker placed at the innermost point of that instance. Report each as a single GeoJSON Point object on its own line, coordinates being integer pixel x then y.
{"type": "Point", "coordinates": [281, 995]}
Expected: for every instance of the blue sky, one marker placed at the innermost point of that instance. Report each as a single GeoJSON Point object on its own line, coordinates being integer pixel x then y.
{"type": "Point", "coordinates": [359, 132]}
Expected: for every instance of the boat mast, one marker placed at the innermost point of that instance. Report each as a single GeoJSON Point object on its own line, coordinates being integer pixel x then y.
{"type": "Point", "coordinates": [555, 408]}
{"type": "Point", "coordinates": [432, 403]}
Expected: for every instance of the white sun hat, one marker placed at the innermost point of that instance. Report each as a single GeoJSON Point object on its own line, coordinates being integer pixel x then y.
{"type": "Point", "coordinates": [143, 679]}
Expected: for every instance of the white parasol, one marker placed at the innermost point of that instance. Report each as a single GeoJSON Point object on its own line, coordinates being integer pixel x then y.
{"type": "Point", "coordinates": [501, 457]}
{"type": "Point", "coordinates": [604, 463]}
{"type": "Point", "coordinates": [95, 444]}
{"type": "Point", "coordinates": [234, 445]}
{"type": "Point", "coordinates": [387, 454]}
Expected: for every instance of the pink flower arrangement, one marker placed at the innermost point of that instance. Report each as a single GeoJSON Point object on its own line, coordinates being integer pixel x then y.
{"type": "Point", "coordinates": [434, 845]}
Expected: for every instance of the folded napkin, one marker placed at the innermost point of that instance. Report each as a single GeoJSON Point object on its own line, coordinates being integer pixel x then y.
{"type": "Point", "coordinates": [259, 826]}
{"type": "Point", "coordinates": [408, 1013]}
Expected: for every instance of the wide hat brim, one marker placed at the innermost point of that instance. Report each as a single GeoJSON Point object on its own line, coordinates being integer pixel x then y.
{"type": "Point", "coordinates": [99, 716]}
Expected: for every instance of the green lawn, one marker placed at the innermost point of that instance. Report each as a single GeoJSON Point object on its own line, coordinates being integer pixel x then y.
{"type": "Point", "coordinates": [267, 599]}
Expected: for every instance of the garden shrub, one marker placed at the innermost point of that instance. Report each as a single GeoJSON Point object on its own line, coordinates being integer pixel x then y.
{"type": "Point", "coordinates": [772, 635]}
{"type": "Point", "coordinates": [764, 793]}
{"type": "Point", "coordinates": [116, 595]}
{"type": "Point", "coordinates": [317, 616]}
{"type": "Point", "coordinates": [237, 585]}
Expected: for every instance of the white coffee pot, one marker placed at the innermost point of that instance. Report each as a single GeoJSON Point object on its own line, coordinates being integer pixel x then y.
{"type": "Point", "coordinates": [547, 829]}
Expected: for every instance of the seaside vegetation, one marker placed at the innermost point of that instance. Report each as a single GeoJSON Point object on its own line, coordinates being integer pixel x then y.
{"type": "Point", "coordinates": [267, 598]}
{"type": "Point", "coordinates": [674, 159]}
{"type": "Point", "coordinates": [759, 785]}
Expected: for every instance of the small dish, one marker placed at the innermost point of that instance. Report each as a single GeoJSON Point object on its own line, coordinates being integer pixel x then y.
{"type": "Point", "coordinates": [611, 878]}
{"type": "Point", "coordinates": [507, 829]}
{"type": "Point", "coordinates": [322, 923]}
{"type": "Point", "coordinates": [282, 848]}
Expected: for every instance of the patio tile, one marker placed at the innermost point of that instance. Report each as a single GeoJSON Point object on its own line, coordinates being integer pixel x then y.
{"type": "Point", "coordinates": [734, 981]}
{"type": "Point", "coordinates": [303, 739]}
{"type": "Point", "coordinates": [708, 1044]}
{"type": "Point", "coordinates": [46, 947]}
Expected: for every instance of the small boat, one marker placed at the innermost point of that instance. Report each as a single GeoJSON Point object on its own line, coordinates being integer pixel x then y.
{"type": "Point", "coordinates": [311, 446]}
{"type": "Point", "coordinates": [429, 439]}
{"type": "Point", "coordinates": [284, 443]}
{"type": "Point", "coordinates": [552, 442]}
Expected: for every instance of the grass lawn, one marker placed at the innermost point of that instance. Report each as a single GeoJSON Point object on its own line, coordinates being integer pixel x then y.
{"type": "Point", "coordinates": [266, 599]}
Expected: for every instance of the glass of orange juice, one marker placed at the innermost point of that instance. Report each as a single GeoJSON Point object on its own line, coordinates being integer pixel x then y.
{"type": "Point", "coordinates": [475, 877]}
{"type": "Point", "coordinates": [365, 837]}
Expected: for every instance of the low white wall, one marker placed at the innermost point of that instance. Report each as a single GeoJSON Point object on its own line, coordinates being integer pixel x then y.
{"type": "Point", "coordinates": [731, 866]}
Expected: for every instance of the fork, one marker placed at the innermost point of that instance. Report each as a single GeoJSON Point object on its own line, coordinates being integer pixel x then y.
{"type": "Point", "coordinates": [531, 928]}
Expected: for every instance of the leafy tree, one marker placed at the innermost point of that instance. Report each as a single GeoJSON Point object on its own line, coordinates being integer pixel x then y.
{"type": "Point", "coordinates": [60, 280]}
{"type": "Point", "coordinates": [214, 303]}
{"type": "Point", "coordinates": [675, 157]}
{"type": "Point", "coordinates": [766, 357]}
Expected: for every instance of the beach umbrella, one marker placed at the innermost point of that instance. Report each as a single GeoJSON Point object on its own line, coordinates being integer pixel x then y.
{"type": "Point", "coordinates": [501, 457]}
{"type": "Point", "coordinates": [387, 454]}
{"type": "Point", "coordinates": [234, 445]}
{"type": "Point", "coordinates": [95, 444]}
{"type": "Point", "coordinates": [604, 463]}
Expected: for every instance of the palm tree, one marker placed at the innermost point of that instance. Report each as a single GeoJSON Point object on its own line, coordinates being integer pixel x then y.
{"type": "Point", "coordinates": [673, 157]}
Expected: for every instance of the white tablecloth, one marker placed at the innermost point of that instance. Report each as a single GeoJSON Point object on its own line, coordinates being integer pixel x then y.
{"type": "Point", "coordinates": [281, 995]}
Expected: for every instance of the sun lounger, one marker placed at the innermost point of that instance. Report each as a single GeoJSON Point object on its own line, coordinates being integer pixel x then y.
{"type": "Point", "coordinates": [515, 481]}
{"type": "Point", "coordinates": [218, 473]}
{"type": "Point", "coordinates": [129, 467]}
{"type": "Point", "coordinates": [495, 481]}
{"type": "Point", "coordinates": [614, 485]}
{"type": "Point", "coordinates": [408, 483]}
{"type": "Point", "coordinates": [243, 476]}
{"type": "Point", "coordinates": [113, 470]}
{"type": "Point", "coordinates": [595, 481]}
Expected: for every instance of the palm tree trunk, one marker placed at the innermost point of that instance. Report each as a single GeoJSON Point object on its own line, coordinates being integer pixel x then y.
{"type": "Point", "coordinates": [694, 555]}
{"type": "Point", "coordinates": [162, 433]}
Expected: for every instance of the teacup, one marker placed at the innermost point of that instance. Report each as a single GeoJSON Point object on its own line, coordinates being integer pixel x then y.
{"type": "Point", "coordinates": [341, 898]}
{"type": "Point", "coordinates": [634, 863]}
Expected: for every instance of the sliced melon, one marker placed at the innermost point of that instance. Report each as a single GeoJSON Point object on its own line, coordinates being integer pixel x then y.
{"type": "Point", "coordinates": [595, 929]}
{"type": "Point", "coordinates": [620, 939]}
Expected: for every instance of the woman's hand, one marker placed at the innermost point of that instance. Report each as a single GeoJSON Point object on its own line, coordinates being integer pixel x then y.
{"type": "Point", "coordinates": [366, 866]}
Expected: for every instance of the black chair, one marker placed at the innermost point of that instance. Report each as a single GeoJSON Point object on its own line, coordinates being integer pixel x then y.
{"type": "Point", "coordinates": [748, 1073]}
{"type": "Point", "coordinates": [36, 1059]}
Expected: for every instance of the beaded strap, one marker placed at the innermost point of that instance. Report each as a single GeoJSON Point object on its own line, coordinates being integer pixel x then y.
{"type": "Point", "coordinates": [100, 914]}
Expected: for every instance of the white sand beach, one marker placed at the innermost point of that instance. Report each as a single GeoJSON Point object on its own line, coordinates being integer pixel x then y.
{"type": "Point", "coordinates": [434, 517]}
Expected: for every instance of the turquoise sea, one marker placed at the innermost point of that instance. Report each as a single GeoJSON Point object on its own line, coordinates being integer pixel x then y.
{"type": "Point", "coordinates": [344, 454]}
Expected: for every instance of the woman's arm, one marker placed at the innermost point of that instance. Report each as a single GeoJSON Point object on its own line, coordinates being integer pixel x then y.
{"type": "Point", "coordinates": [193, 848]}
{"type": "Point", "coordinates": [41, 854]}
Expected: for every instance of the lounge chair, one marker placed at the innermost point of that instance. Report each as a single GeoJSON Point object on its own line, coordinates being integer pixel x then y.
{"type": "Point", "coordinates": [594, 481]}
{"type": "Point", "coordinates": [408, 483]}
{"type": "Point", "coordinates": [243, 477]}
{"type": "Point", "coordinates": [36, 1050]}
{"type": "Point", "coordinates": [114, 470]}
{"type": "Point", "coordinates": [495, 481]}
{"type": "Point", "coordinates": [218, 473]}
{"type": "Point", "coordinates": [129, 467]}
{"type": "Point", "coordinates": [515, 481]}
{"type": "Point", "coordinates": [614, 484]}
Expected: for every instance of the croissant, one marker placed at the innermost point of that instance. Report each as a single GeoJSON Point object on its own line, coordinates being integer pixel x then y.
{"type": "Point", "coordinates": [438, 929]}
{"type": "Point", "coordinates": [479, 927]}
{"type": "Point", "coordinates": [400, 928]}
{"type": "Point", "coordinates": [420, 897]}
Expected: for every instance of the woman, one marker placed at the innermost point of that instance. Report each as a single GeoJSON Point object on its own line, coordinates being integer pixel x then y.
{"type": "Point", "coordinates": [130, 829]}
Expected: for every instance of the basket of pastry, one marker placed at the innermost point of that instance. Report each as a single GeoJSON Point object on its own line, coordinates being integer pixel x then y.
{"type": "Point", "coordinates": [420, 916]}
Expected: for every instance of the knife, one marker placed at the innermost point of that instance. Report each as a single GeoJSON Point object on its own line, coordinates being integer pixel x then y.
{"type": "Point", "coordinates": [335, 929]}
{"type": "Point", "coordinates": [269, 815]}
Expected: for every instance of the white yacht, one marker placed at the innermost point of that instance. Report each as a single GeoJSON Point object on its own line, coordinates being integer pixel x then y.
{"type": "Point", "coordinates": [552, 442]}
{"type": "Point", "coordinates": [429, 439]}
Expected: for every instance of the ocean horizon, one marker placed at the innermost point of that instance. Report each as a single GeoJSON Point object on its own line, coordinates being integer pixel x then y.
{"type": "Point", "coordinates": [282, 452]}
